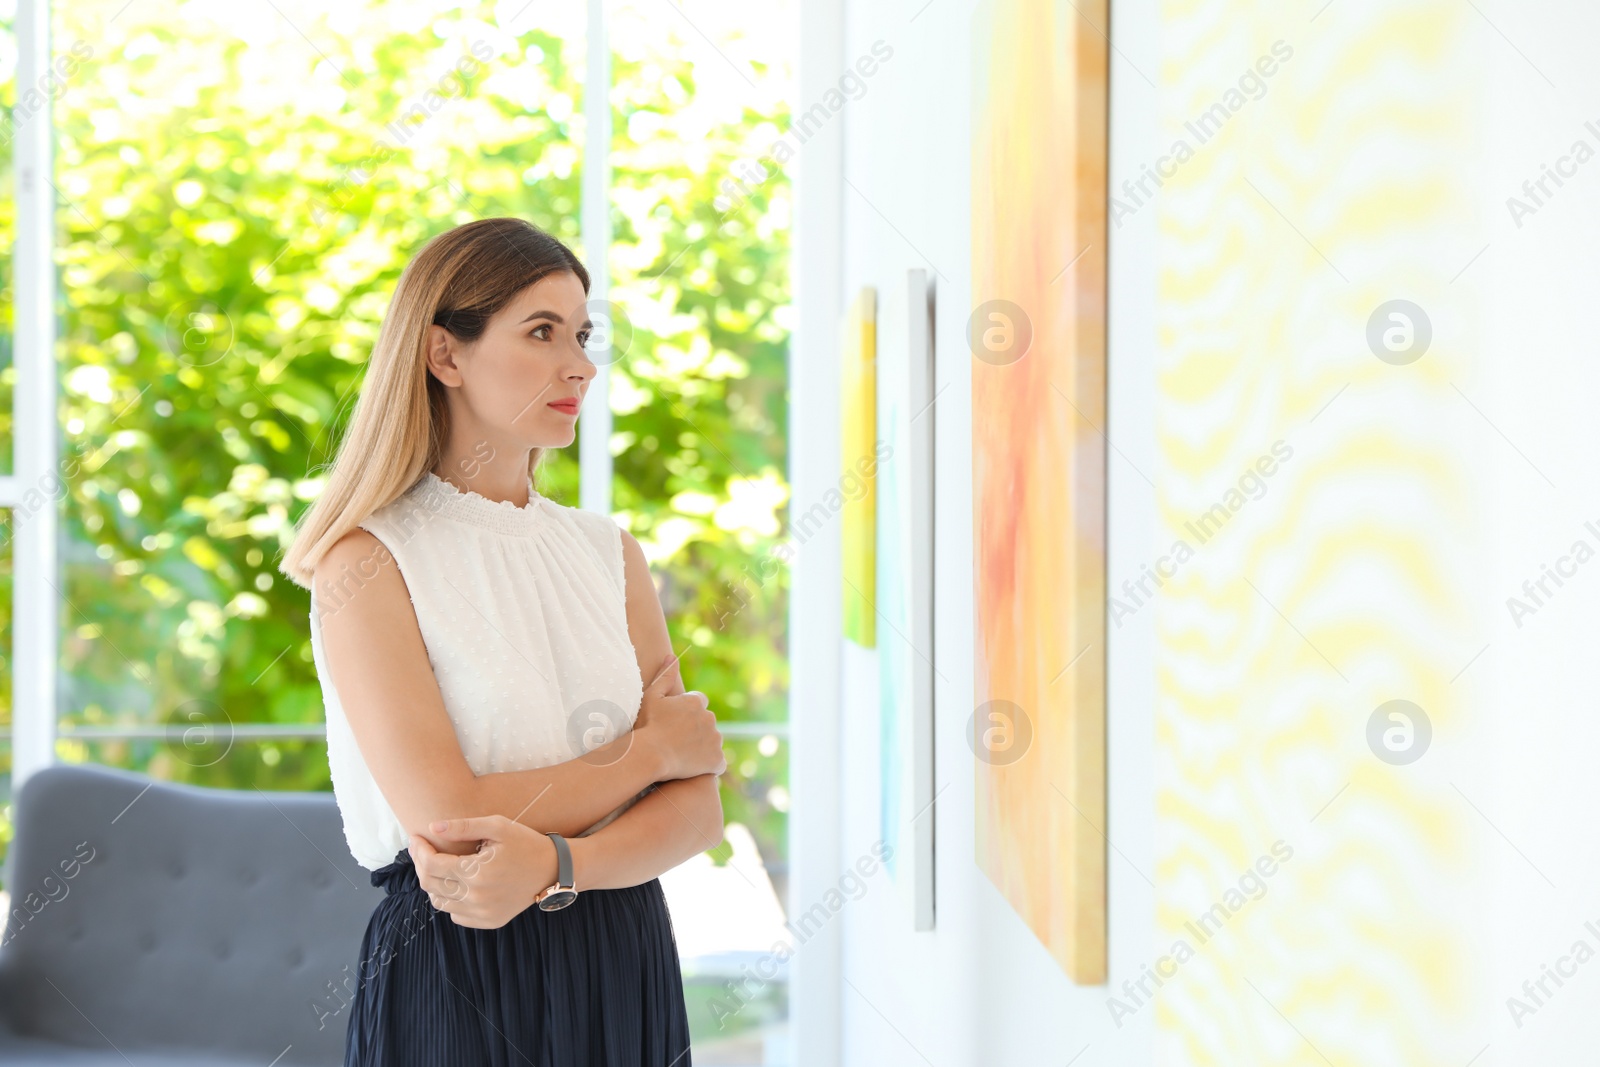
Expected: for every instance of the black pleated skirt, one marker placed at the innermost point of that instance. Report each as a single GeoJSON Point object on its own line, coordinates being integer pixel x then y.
{"type": "Point", "coordinates": [596, 984]}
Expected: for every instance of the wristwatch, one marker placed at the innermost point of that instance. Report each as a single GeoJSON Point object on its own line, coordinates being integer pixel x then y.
{"type": "Point", "coordinates": [558, 896]}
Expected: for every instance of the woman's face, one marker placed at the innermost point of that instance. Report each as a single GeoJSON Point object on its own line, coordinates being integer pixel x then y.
{"type": "Point", "coordinates": [523, 380]}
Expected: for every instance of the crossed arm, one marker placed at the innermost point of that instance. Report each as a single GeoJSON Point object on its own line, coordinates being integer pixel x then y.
{"type": "Point", "coordinates": [387, 688]}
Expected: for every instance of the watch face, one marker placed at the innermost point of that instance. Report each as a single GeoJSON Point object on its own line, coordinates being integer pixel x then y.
{"type": "Point", "coordinates": [558, 899]}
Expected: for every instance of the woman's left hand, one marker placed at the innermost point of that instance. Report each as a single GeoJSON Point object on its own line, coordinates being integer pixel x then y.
{"type": "Point", "coordinates": [488, 888]}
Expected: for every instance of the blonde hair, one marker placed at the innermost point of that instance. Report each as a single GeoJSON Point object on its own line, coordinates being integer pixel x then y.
{"type": "Point", "coordinates": [401, 422]}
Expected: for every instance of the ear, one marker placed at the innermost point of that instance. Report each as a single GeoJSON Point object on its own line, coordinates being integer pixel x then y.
{"type": "Point", "coordinates": [440, 351]}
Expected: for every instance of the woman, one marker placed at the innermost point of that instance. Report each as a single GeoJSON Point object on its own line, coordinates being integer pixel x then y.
{"type": "Point", "coordinates": [500, 763]}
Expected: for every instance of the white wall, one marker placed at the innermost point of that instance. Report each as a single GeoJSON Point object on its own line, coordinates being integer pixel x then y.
{"type": "Point", "coordinates": [814, 607]}
{"type": "Point", "coordinates": [1422, 896]}
{"type": "Point", "coordinates": [1541, 375]}
{"type": "Point", "coordinates": [1496, 91]}
{"type": "Point", "coordinates": [980, 988]}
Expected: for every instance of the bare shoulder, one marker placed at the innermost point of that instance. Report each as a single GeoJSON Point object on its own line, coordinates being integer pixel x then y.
{"type": "Point", "coordinates": [630, 544]}
{"type": "Point", "coordinates": [359, 569]}
{"type": "Point", "coordinates": [647, 623]}
{"type": "Point", "coordinates": [636, 568]}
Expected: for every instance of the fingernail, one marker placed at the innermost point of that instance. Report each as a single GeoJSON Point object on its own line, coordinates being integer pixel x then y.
{"type": "Point", "coordinates": [438, 826]}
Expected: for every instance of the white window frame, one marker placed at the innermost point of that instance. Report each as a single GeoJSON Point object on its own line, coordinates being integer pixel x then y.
{"type": "Point", "coordinates": [31, 492]}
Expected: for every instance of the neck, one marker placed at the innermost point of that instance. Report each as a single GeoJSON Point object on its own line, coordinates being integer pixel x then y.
{"type": "Point", "coordinates": [493, 473]}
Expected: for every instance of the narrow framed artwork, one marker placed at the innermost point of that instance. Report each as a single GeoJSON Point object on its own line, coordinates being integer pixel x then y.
{"type": "Point", "coordinates": [1037, 333]}
{"type": "Point", "coordinates": [905, 592]}
{"type": "Point", "coordinates": [859, 457]}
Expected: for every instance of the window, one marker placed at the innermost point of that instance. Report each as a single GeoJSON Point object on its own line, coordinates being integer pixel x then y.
{"type": "Point", "coordinates": [235, 190]}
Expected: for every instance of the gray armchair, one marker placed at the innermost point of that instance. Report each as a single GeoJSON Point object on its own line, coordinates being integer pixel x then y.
{"type": "Point", "coordinates": [164, 924]}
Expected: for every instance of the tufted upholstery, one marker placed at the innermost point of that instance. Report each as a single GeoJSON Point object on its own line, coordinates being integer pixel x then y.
{"type": "Point", "coordinates": [154, 923]}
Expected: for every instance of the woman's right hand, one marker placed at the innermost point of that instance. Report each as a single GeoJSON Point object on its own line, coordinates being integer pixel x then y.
{"type": "Point", "coordinates": [680, 726]}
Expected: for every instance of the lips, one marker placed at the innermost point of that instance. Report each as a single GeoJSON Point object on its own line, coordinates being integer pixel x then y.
{"type": "Point", "coordinates": [568, 405]}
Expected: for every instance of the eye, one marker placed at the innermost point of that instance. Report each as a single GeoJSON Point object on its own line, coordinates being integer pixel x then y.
{"type": "Point", "coordinates": [583, 338]}
{"type": "Point", "coordinates": [545, 327]}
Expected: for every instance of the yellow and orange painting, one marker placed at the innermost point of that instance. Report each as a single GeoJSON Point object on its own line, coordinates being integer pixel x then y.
{"type": "Point", "coordinates": [1038, 466]}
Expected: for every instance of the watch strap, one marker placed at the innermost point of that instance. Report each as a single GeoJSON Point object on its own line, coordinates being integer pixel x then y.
{"type": "Point", "coordinates": [563, 860]}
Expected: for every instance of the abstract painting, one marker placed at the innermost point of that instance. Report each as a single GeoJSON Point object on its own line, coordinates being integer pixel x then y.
{"type": "Point", "coordinates": [859, 416]}
{"type": "Point", "coordinates": [1037, 334]}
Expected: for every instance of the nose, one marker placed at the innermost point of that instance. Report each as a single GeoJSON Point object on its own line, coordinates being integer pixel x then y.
{"type": "Point", "coordinates": [580, 370]}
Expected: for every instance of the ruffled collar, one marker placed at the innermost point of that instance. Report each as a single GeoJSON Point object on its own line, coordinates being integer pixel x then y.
{"type": "Point", "coordinates": [441, 497]}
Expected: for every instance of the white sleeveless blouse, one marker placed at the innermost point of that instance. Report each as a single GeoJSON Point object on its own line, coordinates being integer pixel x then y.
{"type": "Point", "coordinates": [524, 615]}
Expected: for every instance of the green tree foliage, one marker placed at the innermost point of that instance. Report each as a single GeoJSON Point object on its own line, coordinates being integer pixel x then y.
{"type": "Point", "coordinates": [236, 203]}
